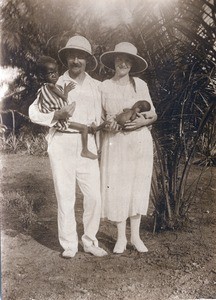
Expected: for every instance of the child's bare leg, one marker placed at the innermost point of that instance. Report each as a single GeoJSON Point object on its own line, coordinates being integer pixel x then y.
{"type": "Point", "coordinates": [85, 152]}
{"type": "Point", "coordinates": [94, 128]}
{"type": "Point", "coordinates": [83, 129]}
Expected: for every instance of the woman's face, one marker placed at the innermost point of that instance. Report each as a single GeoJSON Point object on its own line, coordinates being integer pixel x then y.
{"type": "Point", "coordinates": [123, 64]}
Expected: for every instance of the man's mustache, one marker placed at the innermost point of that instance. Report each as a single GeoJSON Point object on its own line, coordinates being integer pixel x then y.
{"type": "Point", "coordinates": [75, 65]}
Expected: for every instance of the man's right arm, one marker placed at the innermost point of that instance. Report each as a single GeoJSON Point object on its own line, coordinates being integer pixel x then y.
{"type": "Point", "coordinates": [50, 119]}
{"type": "Point", "coordinates": [44, 119]}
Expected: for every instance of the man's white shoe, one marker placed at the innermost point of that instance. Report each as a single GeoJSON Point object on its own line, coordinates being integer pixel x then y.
{"type": "Point", "coordinates": [69, 253]}
{"type": "Point", "coordinates": [96, 251]}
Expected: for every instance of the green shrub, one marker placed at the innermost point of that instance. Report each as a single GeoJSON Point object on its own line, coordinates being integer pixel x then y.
{"type": "Point", "coordinates": [28, 143]}
{"type": "Point", "coordinates": [16, 204]}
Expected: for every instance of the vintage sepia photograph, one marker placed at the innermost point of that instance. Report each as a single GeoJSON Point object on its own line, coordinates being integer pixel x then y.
{"type": "Point", "coordinates": [108, 149]}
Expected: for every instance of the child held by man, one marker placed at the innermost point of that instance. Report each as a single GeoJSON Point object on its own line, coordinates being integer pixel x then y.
{"type": "Point", "coordinates": [53, 97]}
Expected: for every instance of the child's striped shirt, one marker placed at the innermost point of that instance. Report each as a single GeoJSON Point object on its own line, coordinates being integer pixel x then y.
{"type": "Point", "coordinates": [48, 101]}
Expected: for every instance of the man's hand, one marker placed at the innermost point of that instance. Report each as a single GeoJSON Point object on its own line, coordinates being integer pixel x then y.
{"type": "Point", "coordinates": [92, 128]}
{"type": "Point", "coordinates": [65, 112]}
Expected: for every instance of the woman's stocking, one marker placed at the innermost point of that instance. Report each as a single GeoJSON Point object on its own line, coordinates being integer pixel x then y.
{"type": "Point", "coordinates": [121, 243]}
{"type": "Point", "coordinates": [135, 234]}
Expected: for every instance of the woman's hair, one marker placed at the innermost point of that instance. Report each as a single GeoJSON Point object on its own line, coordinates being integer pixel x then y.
{"type": "Point", "coordinates": [41, 64]}
{"type": "Point", "coordinates": [132, 81]}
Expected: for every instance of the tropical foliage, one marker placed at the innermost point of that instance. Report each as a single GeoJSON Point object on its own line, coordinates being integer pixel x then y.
{"type": "Point", "coordinates": [177, 38]}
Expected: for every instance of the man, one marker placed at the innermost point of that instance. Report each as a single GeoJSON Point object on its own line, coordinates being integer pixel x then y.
{"type": "Point", "coordinates": [64, 149]}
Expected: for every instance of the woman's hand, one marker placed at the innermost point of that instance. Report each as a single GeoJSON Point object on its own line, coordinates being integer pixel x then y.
{"type": "Point", "coordinates": [135, 124]}
{"type": "Point", "coordinates": [149, 114]}
{"type": "Point", "coordinates": [112, 126]}
{"type": "Point", "coordinates": [144, 119]}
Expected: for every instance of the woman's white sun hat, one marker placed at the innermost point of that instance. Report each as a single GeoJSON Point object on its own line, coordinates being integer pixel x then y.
{"type": "Point", "coordinates": [139, 64]}
{"type": "Point", "coordinates": [80, 43]}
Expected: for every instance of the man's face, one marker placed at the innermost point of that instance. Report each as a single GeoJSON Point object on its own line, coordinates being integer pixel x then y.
{"type": "Point", "coordinates": [76, 61]}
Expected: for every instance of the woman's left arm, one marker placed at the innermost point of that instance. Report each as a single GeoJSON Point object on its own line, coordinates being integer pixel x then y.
{"type": "Point", "coordinates": [143, 119]}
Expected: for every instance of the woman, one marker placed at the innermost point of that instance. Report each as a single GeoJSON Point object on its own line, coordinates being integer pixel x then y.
{"type": "Point", "coordinates": [127, 156]}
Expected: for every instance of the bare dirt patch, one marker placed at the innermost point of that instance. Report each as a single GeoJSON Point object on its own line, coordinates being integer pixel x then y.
{"type": "Point", "coordinates": [179, 265]}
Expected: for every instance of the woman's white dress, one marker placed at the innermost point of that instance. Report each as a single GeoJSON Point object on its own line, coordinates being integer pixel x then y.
{"type": "Point", "coordinates": [127, 157]}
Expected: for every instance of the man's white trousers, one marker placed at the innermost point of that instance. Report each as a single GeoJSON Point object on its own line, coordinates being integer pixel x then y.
{"type": "Point", "coordinates": [68, 166]}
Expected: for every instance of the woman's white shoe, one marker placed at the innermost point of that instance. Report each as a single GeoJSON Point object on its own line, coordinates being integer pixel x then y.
{"type": "Point", "coordinates": [120, 246]}
{"type": "Point", "coordinates": [139, 245]}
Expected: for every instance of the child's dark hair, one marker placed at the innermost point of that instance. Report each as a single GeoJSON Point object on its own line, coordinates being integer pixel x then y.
{"type": "Point", "coordinates": [41, 64]}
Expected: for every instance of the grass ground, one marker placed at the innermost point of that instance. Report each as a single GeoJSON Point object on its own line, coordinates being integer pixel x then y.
{"type": "Point", "coordinates": [179, 265]}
